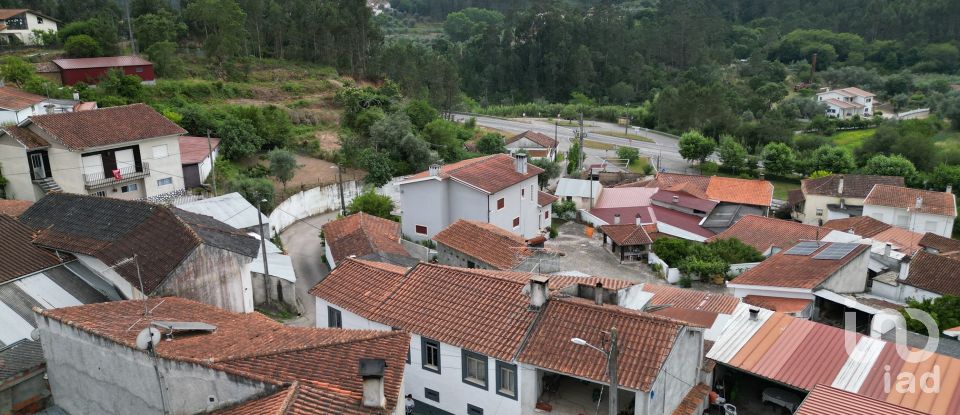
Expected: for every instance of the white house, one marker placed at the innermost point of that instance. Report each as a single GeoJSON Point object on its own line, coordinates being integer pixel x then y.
{"type": "Point", "coordinates": [914, 209]}
{"type": "Point", "coordinates": [19, 25]}
{"type": "Point", "coordinates": [126, 152]}
{"type": "Point", "coordinates": [492, 342]}
{"type": "Point", "coordinates": [837, 196]}
{"type": "Point", "coordinates": [498, 189]}
{"type": "Point", "coordinates": [364, 236]}
{"type": "Point", "coordinates": [923, 276]}
{"type": "Point", "coordinates": [536, 145]}
{"type": "Point", "coordinates": [17, 105]}
{"type": "Point", "coordinates": [197, 155]}
{"type": "Point", "coordinates": [847, 102]}
{"type": "Point", "coordinates": [581, 192]}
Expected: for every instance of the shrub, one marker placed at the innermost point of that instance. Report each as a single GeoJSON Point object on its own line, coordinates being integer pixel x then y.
{"type": "Point", "coordinates": [82, 46]}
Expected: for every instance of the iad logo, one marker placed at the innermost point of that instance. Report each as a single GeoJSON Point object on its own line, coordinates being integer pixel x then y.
{"type": "Point", "coordinates": [908, 382]}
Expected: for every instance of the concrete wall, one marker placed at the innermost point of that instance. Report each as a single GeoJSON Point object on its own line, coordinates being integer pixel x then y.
{"type": "Point", "coordinates": [287, 289]}
{"type": "Point", "coordinates": [25, 395]}
{"type": "Point", "coordinates": [213, 276]}
{"type": "Point", "coordinates": [449, 256]}
{"type": "Point", "coordinates": [850, 278]}
{"type": "Point", "coordinates": [311, 202]}
{"type": "Point", "coordinates": [672, 275]}
{"type": "Point", "coordinates": [10, 117]}
{"type": "Point", "coordinates": [462, 202]}
{"type": "Point", "coordinates": [737, 269]}
{"type": "Point", "coordinates": [423, 203]}
{"type": "Point", "coordinates": [349, 319]}
{"type": "Point", "coordinates": [814, 202]}
{"type": "Point", "coordinates": [917, 222]}
{"type": "Point", "coordinates": [679, 373]}
{"type": "Point", "coordinates": [900, 292]}
{"type": "Point", "coordinates": [91, 375]}
{"type": "Point", "coordinates": [417, 251]}
{"type": "Point", "coordinates": [15, 167]}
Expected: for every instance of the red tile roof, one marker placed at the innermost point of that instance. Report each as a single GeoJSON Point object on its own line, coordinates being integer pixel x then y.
{"type": "Point", "coordinates": [779, 304]}
{"type": "Point", "coordinates": [939, 243]}
{"type": "Point", "coordinates": [106, 126]}
{"type": "Point", "coordinates": [13, 207]}
{"type": "Point", "coordinates": [686, 222]}
{"type": "Point", "coordinates": [762, 232]}
{"type": "Point", "coordinates": [538, 138]}
{"type": "Point", "coordinates": [620, 197]}
{"type": "Point", "coordinates": [20, 256]}
{"type": "Point", "coordinates": [826, 400]}
{"type": "Point", "coordinates": [365, 236]}
{"type": "Point", "coordinates": [843, 104]}
{"type": "Point", "coordinates": [491, 173]}
{"type": "Point", "coordinates": [627, 234]}
{"type": "Point", "coordinates": [796, 271]}
{"type": "Point", "coordinates": [304, 398]}
{"type": "Point", "coordinates": [16, 99]}
{"type": "Point", "coordinates": [854, 185]}
{"type": "Point", "coordinates": [937, 203]}
{"type": "Point", "coordinates": [544, 198]}
{"type": "Point", "coordinates": [249, 345]}
{"type": "Point", "coordinates": [864, 226]}
{"type": "Point", "coordinates": [695, 318]}
{"type": "Point", "coordinates": [691, 299]}
{"type": "Point", "coordinates": [722, 189]}
{"type": "Point", "coordinates": [8, 13]}
{"type": "Point", "coordinates": [28, 138]}
{"type": "Point", "coordinates": [360, 286]}
{"type": "Point", "coordinates": [694, 402]}
{"type": "Point", "coordinates": [935, 273]}
{"type": "Point", "coordinates": [852, 90]}
{"type": "Point", "coordinates": [486, 242]}
{"type": "Point", "coordinates": [101, 62]}
{"type": "Point", "coordinates": [684, 199]}
{"type": "Point", "coordinates": [904, 240]}
{"type": "Point", "coordinates": [194, 150]}
{"type": "Point", "coordinates": [644, 340]}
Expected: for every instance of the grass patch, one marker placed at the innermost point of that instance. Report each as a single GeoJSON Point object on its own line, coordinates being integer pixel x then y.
{"type": "Point", "coordinates": [638, 165]}
{"type": "Point", "coordinates": [781, 186]}
{"type": "Point", "coordinates": [947, 138]}
{"type": "Point", "coordinates": [853, 138]}
{"type": "Point", "coordinates": [627, 136]}
{"type": "Point", "coordinates": [596, 145]}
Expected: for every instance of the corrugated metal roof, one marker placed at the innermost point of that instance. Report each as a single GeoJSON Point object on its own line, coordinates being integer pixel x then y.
{"type": "Point", "coordinates": [230, 208]}
{"type": "Point", "coordinates": [737, 333]}
{"type": "Point", "coordinates": [771, 364]}
{"type": "Point", "coordinates": [825, 400]}
{"type": "Point", "coordinates": [858, 366]}
{"type": "Point", "coordinates": [281, 266]}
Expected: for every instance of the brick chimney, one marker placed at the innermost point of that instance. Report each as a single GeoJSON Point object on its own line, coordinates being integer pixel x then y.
{"type": "Point", "coordinates": [538, 291]}
{"type": "Point", "coordinates": [520, 163]}
{"type": "Point", "coordinates": [371, 370]}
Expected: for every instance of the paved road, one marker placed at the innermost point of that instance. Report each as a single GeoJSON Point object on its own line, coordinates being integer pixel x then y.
{"type": "Point", "coordinates": [302, 241]}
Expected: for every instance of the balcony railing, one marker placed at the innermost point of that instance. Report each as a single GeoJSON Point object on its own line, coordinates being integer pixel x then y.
{"type": "Point", "coordinates": [128, 173]}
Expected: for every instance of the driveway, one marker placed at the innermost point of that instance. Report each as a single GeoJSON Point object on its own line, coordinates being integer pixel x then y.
{"type": "Point", "coordinates": [588, 256]}
{"type": "Point", "coordinates": [302, 242]}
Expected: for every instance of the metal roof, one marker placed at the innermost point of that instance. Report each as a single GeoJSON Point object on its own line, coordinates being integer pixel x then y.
{"type": "Point", "coordinates": [230, 208]}
{"type": "Point", "coordinates": [281, 266]}
{"type": "Point", "coordinates": [577, 188]}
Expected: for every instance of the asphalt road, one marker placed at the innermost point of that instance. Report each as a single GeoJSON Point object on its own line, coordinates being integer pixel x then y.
{"type": "Point", "coordinates": [663, 145]}
{"type": "Point", "coordinates": [302, 241]}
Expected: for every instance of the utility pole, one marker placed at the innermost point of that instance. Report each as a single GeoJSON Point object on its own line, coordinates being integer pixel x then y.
{"type": "Point", "coordinates": [263, 250]}
{"type": "Point", "coordinates": [582, 133]}
{"type": "Point", "coordinates": [213, 169]}
{"type": "Point", "coordinates": [343, 205]}
{"type": "Point", "coordinates": [133, 43]}
{"type": "Point", "coordinates": [612, 356]}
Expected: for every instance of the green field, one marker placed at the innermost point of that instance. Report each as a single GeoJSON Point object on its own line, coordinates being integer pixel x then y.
{"type": "Point", "coordinates": [638, 164]}
{"type": "Point", "coordinates": [853, 138]}
{"type": "Point", "coordinates": [596, 145]}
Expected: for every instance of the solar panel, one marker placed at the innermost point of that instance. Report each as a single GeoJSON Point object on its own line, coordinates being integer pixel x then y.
{"type": "Point", "coordinates": [836, 251]}
{"type": "Point", "coordinates": [804, 248]}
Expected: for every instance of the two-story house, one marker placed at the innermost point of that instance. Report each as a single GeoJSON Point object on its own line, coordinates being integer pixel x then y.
{"type": "Point", "coordinates": [914, 209]}
{"type": "Point", "coordinates": [19, 24]}
{"type": "Point", "coordinates": [836, 196]}
{"type": "Point", "coordinates": [536, 145]}
{"type": "Point", "coordinates": [499, 189]}
{"type": "Point", "coordinates": [126, 152]}
{"type": "Point", "coordinates": [847, 102]}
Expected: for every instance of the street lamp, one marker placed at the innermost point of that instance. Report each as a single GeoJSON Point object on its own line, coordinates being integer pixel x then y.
{"type": "Point", "coordinates": [611, 356]}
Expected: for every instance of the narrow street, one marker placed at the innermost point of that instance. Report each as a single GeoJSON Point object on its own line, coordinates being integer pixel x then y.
{"type": "Point", "coordinates": [302, 242]}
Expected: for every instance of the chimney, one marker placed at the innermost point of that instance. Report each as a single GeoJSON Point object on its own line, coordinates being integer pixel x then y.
{"type": "Point", "coordinates": [919, 202]}
{"type": "Point", "coordinates": [538, 291]}
{"type": "Point", "coordinates": [676, 199]}
{"type": "Point", "coordinates": [949, 189]}
{"type": "Point", "coordinates": [754, 314]}
{"type": "Point", "coordinates": [638, 221]}
{"type": "Point", "coordinates": [49, 108]}
{"type": "Point", "coordinates": [2, 82]}
{"type": "Point", "coordinates": [371, 370]}
{"type": "Point", "coordinates": [616, 219]}
{"type": "Point", "coordinates": [762, 175]}
{"type": "Point", "coordinates": [598, 293]}
{"type": "Point", "coordinates": [886, 249]}
{"type": "Point", "coordinates": [76, 96]}
{"type": "Point", "coordinates": [434, 170]}
{"type": "Point", "coordinates": [904, 268]}
{"type": "Point", "coordinates": [520, 163]}
{"type": "Point", "coordinates": [840, 186]}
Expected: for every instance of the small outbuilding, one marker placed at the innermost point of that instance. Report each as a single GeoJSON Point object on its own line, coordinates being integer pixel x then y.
{"type": "Point", "coordinates": [631, 241]}
{"type": "Point", "coordinates": [91, 70]}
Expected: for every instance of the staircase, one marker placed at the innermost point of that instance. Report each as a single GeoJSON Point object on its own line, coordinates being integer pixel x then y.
{"type": "Point", "coordinates": [47, 184]}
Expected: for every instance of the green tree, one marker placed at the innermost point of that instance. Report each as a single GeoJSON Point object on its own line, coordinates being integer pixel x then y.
{"type": "Point", "coordinates": [732, 154]}
{"type": "Point", "coordinates": [283, 165]}
{"type": "Point", "coordinates": [82, 46]}
{"type": "Point", "coordinates": [630, 154]}
{"type": "Point", "coordinates": [695, 147]}
{"type": "Point", "coordinates": [939, 57]}
{"type": "Point", "coordinates": [102, 29]}
{"type": "Point", "coordinates": [372, 203]}
{"type": "Point", "coordinates": [442, 134]}
{"type": "Point", "coordinates": [945, 311]}
{"type": "Point", "coordinates": [946, 175]}
{"type": "Point", "coordinates": [128, 87]}
{"type": "Point", "coordinates": [833, 159]}
{"type": "Point", "coordinates": [254, 189]}
{"type": "Point", "coordinates": [778, 159]}
{"type": "Point", "coordinates": [895, 165]}
{"type": "Point", "coordinates": [165, 60]}
{"type": "Point", "coordinates": [420, 113]}
{"type": "Point", "coordinates": [378, 166]}
{"type": "Point", "coordinates": [16, 70]}
{"type": "Point", "coordinates": [551, 170]}
{"type": "Point", "coordinates": [491, 143]}
{"type": "Point", "coordinates": [734, 251]}
{"type": "Point", "coordinates": [573, 158]}
{"type": "Point", "coordinates": [163, 26]}
{"type": "Point", "coordinates": [220, 26]}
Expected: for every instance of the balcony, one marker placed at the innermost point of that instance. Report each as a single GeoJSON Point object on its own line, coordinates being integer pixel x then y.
{"type": "Point", "coordinates": [127, 174]}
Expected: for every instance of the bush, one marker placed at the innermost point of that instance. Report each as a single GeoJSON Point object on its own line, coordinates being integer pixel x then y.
{"type": "Point", "coordinates": [709, 168]}
{"type": "Point", "coordinates": [82, 46]}
{"type": "Point", "coordinates": [564, 209]}
{"type": "Point", "coordinates": [370, 202]}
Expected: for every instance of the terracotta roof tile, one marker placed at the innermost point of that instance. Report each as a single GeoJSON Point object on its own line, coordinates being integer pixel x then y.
{"type": "Point", "coordinates": [693, 403]}
{"type": "Point", "coordinates": [541, 139]}
{"type": "Point", "coordinates": [691, 299]}
{"type": "Point", "coordinates": [721, 189]}
{"type": "Point", "coordinates": [8, 13]}
{"type": "Point", "coordinates": [684, 221]}
{"type": "Point", "coordinates": [14, 208]}
{"type": "Point", "coordinates": [796, 271]}
{"type": "Point", "coordinates": [544, 198]}
{"type": "Point", "coordinates": [762, 233]}
{"type": "Point", "coordinates": [106, 126]}
{"type": "Point", "coordinates": [304, 398]}
{"type": "Point", "coordinates": [864, 226]}
{"type": "Point", "coordinates": [28, 138]}
{"type": "Point", "coordinates": [780, 304]}
{"type": "Point", "coordinates": [854, 185]}
{"type": "Point", "coordinates": [937, 203]}
{"type": "Point", "coordinates": [367, 237]}
{"type": "Point", "coordinates": [645, 341]}
{"type": "Point", "coordinates": [934, 273]}
{"type": "Point", "coordinates": [19, 256]}
{"type": "Point", "coordinates": [491, 173]}
{"type": "Point", "coordinates": [626, 235]}
{"type": "Point", "coordinates": [16, 99]}
{"type": "Point", "coordinates": [904, 240]}
{"type": "Point", "coordinates": [101, 62]}
{"type": "Point", "coordinates": [695, 318]}
{"type": "Point", "coordinates": [939, 243]}
{"type": "Point", "coordinates": [194, 150]}
{"type": "Point", "coordinates": [826, 400]}
{"type": "Point", "coordinates": [684, 199]}
{"type": "Point", "coordinates": [485, 242]}
{"type": "Point", "coordinates": [360, 286]}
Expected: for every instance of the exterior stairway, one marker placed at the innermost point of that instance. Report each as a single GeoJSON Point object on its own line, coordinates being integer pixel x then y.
{"type": "Point", "coordinates": [48, 185]}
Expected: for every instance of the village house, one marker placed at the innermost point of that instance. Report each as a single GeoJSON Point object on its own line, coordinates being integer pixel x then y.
{"type": "Point", "coordinates": [936, 244]}
{"type": "Point", "coordinates": [471, 244]}
{"type": "Point", "coordinates": [197, 155]}
{"type": "Point", "coordinates": [126, 152]}
{"type": "Point", "coordinates": [142, 248]}
{"type": "Point", "coordinates": [499, 189]}
{"type": "Point", "coordinates": [628, 242]}
{"type": "Point", "coordinates": [623, 205]}
{"type": "Point", "coordinates": [889, 244]}
{"type": "Point", "coordinates": [500, 342]}
{"type": "Point", "coordinates": [17, 105]}
{"type": "Point", "coordinates": [922, 276]}
{"type": "Point", "coordinates": [913, 209]}
{"type": "Point", "coordinates": [184, 357]}
{"type": "Point", "coordinates": [534, 144]}
{"type": "Point", "coordinates": [91, 70]}
{"type": "Point", "coordinates": [836, 196]}
{"type": "Point", "coordinates": [581, 192]}
{"type": "Point", "coordinates": [362, 235]}
{"type": "Point", "coordinates": [847, 103]}
{"type": "Point", "coordinates": [545, 213]}
{"type": "Point", "coordinates": [19, 24]}
{"type": "Point", "coordinates": [770, 235]}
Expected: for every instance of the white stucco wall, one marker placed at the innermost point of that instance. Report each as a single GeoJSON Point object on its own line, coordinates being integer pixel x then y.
{"type": "Point", "coordinates": [11, 117]}
{"type": "Point", "coordinates": [679, 372]}
{"type": "Point", "coordinates": [349, 319]}
{"type": "Point", "coordinates": [311, 202]}
{"type": "Point", "coordinates": [850, 278]}
{"type": "Point", "coordinates": [520, 200]}
{"type": "Point", "coordinates": [16, 169]}
{"type": "Point", "coordinates": [917, 222]}
{"type": "Point", "coordinates": [814, 202]}
{"type": "Point", "coordinates": [33, 23]}
{"type": "Point", "coordinates": [423, 203]}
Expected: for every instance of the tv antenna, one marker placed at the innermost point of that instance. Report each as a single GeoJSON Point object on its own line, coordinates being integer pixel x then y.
{"type": "Point", "coordinates": [136, 263]}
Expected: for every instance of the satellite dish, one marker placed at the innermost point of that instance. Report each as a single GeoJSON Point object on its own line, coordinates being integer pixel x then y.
{"type": "Point", "coordinates": [148, 337]}
{"type": "Point", "coordinates": [35, 334]}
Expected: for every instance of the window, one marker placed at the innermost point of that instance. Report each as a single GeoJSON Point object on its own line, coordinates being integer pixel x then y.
{"type": "Point", "coordinates": [523, 193]}
{"type": "Point", "coordinates": [39, 20]}
{"type": "Point", "coordinates": [165, 181]}
{"type": "Point", "coordinates": [132, 187]}
{"type": "Point", "coordinates": [334, 318]}
{"type": "Point", "coordinates": [506, 380]}
{"type": "Point", "coordinates": [431, 394]}
{"type": "Point", "coordinates": [546, 215]}
{"type": "Point", "coordinates": [516, 221]}
{"type": "Point", "coordinates": [474, 410]}
{"type": "Point", "coordinates": [471, 264]}
{"type": "Point", "coordinates": [819, 212]}
{"type": "Point", "coordinates": [139, 70]}
{"type": "Point", "coordinates": [422, 230]}
{"type": "Point", "coordinates": [500, 203]}
{"type": "Point", "coordinates": [160, 151]}
{"type": "Point", "coordinates": [930, 226]}
{"type": "Point", "coordinates": [902, 220]}
{"type": "Point", "coordinates": [431, 354]}
{"type": "Point", "coordinates": [474, 369]}
{"type": "Point", "coordinates": [100, 193]}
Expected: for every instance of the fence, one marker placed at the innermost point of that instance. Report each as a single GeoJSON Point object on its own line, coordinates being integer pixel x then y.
{"type": "Point", "coordinates": [672, 274]}
{"type": "Point", "coordinates": [315, 201]}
